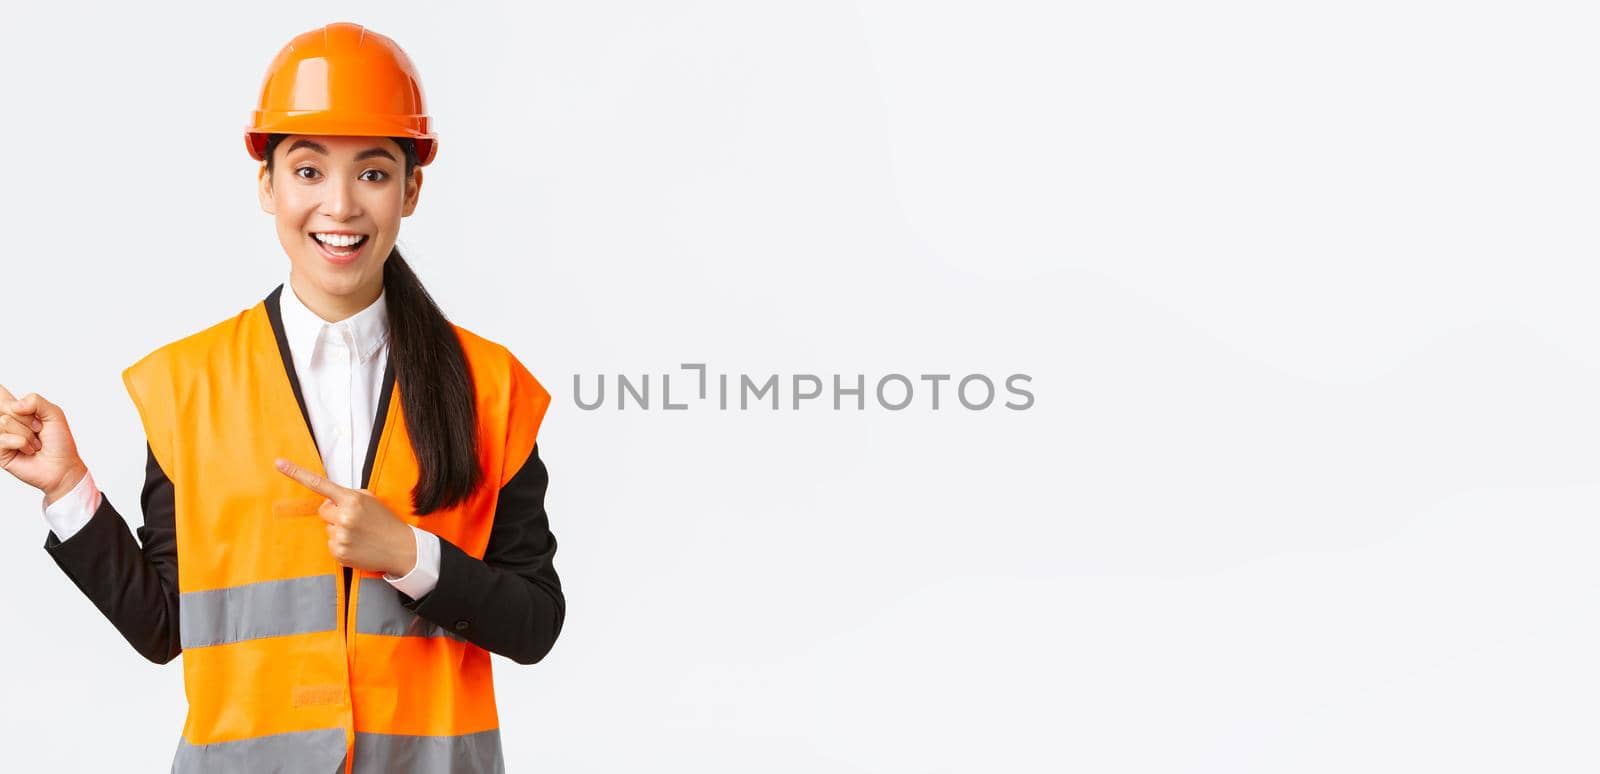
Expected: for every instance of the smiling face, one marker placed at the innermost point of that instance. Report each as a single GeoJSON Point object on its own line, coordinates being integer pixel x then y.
{"type": "Point", "coordinates": [337, 202]}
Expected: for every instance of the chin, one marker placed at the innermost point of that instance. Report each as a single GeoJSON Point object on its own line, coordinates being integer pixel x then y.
{"type": "Point", "coordinates": [340, 281]}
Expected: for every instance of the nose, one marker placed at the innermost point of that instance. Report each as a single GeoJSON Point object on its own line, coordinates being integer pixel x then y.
{"type": "Point", "coordinates": [340, 203]}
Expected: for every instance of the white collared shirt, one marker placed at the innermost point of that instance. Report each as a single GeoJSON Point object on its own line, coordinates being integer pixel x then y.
{"type": "Point", "coordinates": [340, 369]}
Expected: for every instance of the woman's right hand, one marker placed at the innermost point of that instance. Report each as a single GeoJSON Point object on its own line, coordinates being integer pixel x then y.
{"type": "Point", "coordinates": [36, 444]}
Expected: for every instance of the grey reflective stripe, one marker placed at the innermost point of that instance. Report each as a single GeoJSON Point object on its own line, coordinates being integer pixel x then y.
{"type": "Point", "coordinates": [378, 611]}
{"type": "Point", "coordinates": [313, 751]}
{"type": "Point", "coordinates": [406, 754]}
{"type": "Point", "coordinates": [265, 609]}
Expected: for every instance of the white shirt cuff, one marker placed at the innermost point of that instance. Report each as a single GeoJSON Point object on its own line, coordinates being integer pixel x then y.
{"type": "Point", "coordinates": [68, 515]}
{"type": "Point", "coordinates": [425, 575]}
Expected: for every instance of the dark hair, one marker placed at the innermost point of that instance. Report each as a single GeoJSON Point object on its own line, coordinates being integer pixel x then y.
{"type": "Point", "coordinates": [431, 371]}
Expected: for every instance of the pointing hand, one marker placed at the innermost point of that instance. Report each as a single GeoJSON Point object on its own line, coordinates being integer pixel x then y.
{"type": "Point", "coordinates": [362, 532]}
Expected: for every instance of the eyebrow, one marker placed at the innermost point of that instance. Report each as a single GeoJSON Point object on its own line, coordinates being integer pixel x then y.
{"type": "Point", "coordinates": [318, 147]}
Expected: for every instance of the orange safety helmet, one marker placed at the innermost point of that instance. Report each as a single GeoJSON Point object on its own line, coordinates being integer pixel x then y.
{"type": "Point", "coordinates": [342, 79]}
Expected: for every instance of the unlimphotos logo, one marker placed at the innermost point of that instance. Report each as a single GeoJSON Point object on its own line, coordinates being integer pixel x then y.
{"type": "Point", "coordinates": [894, 392]}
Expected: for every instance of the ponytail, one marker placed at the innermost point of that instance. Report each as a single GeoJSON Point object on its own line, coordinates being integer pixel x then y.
{"type": "Point", "coordinates": [435, 388]}
{"type": "Point", "coordinates": [431, 371]}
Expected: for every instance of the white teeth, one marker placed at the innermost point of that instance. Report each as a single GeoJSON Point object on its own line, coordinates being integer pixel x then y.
{"type": "Point", "coordinates": [339, 240]}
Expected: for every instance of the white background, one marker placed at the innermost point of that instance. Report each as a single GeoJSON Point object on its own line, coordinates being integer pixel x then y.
{"type": "Point", "coordinates": [1305, 291]}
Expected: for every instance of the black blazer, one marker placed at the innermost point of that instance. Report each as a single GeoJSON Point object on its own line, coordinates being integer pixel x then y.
{"type": "Point", "coordinates": [509, 602]}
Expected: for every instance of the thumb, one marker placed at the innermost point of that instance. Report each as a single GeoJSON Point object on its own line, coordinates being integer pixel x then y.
{"type": "Point", "coordinates": [35, 404]}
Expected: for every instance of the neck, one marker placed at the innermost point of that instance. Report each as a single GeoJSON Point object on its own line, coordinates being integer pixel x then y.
{"type": "Point", "coordinates": [332, 308]}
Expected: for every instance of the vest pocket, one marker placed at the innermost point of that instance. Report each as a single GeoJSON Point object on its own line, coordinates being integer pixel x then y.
{"type": "Point", "coordinates": [297, 507]}
{"type": "Point", "coordinates": [313, 695]}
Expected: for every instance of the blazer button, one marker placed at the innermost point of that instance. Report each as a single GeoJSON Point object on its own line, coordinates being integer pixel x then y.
{"type": "Point", "coordinates": [462, 625]}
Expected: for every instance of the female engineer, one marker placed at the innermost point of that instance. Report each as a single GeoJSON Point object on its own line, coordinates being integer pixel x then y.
{"type": "Point", "coordinates": [344, 502]}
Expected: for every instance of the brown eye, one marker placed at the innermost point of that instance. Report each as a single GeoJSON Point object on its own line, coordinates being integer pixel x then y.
{"type": "Point", "coordinates": [302, 173]}
{"type": "Point", "coordinates": [378, 175]}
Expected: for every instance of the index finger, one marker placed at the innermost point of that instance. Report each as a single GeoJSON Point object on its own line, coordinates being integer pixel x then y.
{"type": "Point", "coordinates": [312, 481]}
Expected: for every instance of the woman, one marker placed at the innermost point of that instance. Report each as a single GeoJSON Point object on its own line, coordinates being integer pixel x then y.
{"type": "Point", "coordinates": [344, 500]}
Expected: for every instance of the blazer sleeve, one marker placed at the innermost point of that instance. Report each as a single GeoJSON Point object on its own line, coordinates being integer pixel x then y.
{"type": "Point", "coordinates": [134, 584]}
{"type": "Point", "coordinates": [510, 601]}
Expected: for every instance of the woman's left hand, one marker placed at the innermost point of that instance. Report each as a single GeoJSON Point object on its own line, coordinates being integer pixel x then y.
{"type": "Point", "coordinates": [362, 532]}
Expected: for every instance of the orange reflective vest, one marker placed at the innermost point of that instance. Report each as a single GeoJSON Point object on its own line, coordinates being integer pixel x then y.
{"type": "Point", "coordinates": [281, 674]}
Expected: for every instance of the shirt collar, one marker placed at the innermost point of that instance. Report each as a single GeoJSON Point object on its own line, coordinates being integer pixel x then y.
{"type": "Point", "coordinates": [369, 328]}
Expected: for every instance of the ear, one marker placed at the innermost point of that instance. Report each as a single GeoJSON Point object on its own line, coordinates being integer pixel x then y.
{"type": "Point", "coordinates": [264, 190]}
{"type": "Point", "coordinates": [413, 189]}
